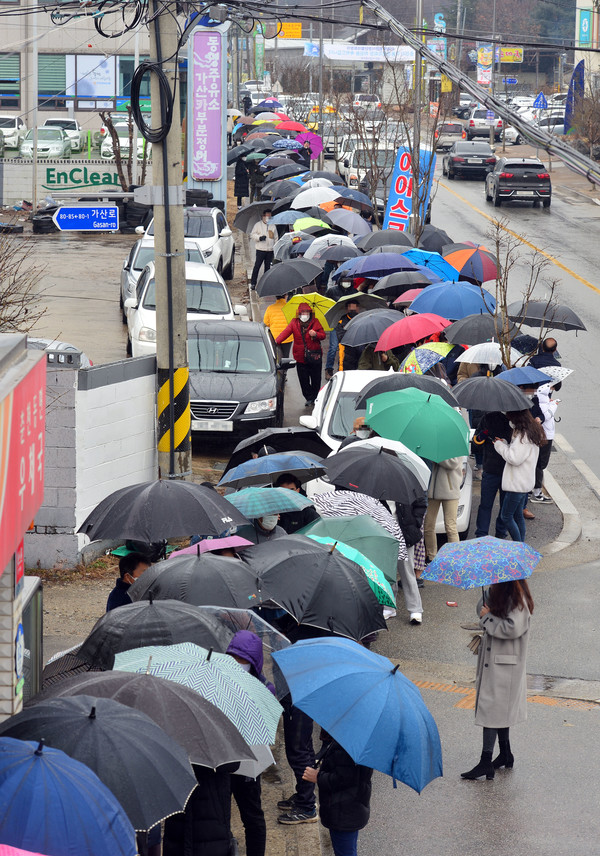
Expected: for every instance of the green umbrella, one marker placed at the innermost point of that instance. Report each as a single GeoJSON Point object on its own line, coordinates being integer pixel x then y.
{"type": "Point", "coordinates": [308, 222]}
{"type": "Point", "coordinates": [365, 535]}
{"type": "Point", "coordinates": [243, 699]}
{"type": "Point", "coordinates": [256, 156]}
{"type": "Point", "coordinates": [259, 501]}
{"type": "Point", "coordinates": [422, 421]}
{"type": "Point", "coordinates": [376, 578]}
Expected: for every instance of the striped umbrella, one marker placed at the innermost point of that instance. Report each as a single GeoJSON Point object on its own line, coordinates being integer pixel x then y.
{"type": "Point", "coordinates": [245, 701]}
{"type": "Point", "coordinates": [267, 500]}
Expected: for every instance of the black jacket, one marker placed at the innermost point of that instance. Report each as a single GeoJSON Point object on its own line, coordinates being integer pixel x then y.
{"type": "Point", "coordinates": [410, 520]}
{"type": "Point", "coordinates": [119, 595]}
{"type": "Point", "coordinates": [344, 790]}
{"type": "Point", "coordinates": [241, 184]}
{"type": "Point", "coordinates": [544, 358]}
{"type": "Point", "coordinates": [291, 521]}
{"type": "Point", "coordinates": [490, 426]}
{"type": "Point", "coordinates": [204, 828]}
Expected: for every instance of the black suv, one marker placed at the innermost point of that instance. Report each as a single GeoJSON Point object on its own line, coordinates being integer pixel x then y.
{"type": "Point", "coordinates": [468, 158]}
{"type": "Point", "coordinates": [524, 179]}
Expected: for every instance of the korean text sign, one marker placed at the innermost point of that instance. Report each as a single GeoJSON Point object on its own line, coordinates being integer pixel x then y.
{"type": "Point", "coordinates": [399, 203]}
{"type": "Point", "coordinates": [207, 107]}
{"type": "Point", "coordinates": [22, 438]}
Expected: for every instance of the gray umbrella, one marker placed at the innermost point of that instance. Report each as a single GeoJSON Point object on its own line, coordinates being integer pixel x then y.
{"type": "Point", "coordinates": [366, 301]}
{"type": "Point", "coordinates": [395, 284]}
{"type": "Point", "coordinates": [367, 327]}
{"type": "Point", "coordinates": [385, 236]}
{"type": "Point", "coordinates": [542, 313]}
{"type": "Point", "coordinates": [433, 238]}
{"type": "Point", "coordinates": [390, 382]}
{"type": "Point", "coordinates": [474, 329]}
{"type": "Point", "coordinates": [249, 215]}
{"type": "Point", "coordinates": [287, 276]}
{"type": "Point", "coordinates": [490, 394]}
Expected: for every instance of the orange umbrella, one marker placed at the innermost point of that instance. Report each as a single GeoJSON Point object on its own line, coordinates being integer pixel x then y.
{"type": "Point", "coordinates": [329, 206]}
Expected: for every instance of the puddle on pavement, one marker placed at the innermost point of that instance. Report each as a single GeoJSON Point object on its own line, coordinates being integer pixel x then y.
{"type": "Point", "coordinates": [543, 683]}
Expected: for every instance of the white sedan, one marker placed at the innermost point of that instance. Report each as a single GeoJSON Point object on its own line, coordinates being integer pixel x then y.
{"type": "Point", "coordinates": [333, 419]}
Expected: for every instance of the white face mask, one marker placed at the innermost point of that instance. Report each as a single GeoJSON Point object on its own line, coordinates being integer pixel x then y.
{"type": "Point", "coordinates": [346, 284]}
{"type": "Point", "coordinates": [304, 318]}
{"type": "Point", "coordinates": [269, 523]}
{"type": "Point", "coordinates": [363, 433]}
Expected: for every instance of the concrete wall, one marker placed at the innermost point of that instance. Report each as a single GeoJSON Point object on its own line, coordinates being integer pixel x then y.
{"type": "Point", "coordinates": [100, 436]}
{"type": "Point", "coordinates": [56, 177]}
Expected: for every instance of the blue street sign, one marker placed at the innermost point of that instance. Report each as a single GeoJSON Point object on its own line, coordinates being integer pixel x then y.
{"type": "Point", "coordinates": [540, 102]}
{"type": "Point", "coordinates": [510, 81]}
{"type": "Point", "coordinates": [88, 218]}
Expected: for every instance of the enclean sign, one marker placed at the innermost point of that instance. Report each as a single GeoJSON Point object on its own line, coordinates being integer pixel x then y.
{"type": "Point", "coordinates": [78, 177]}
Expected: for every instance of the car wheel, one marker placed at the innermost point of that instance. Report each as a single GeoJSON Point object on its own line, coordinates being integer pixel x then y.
{"type": "Point", "coordinates": [129, 349]}
{"type": "Point", "coordinates": [444, 170]}
{"type": "Point", "coordinates": [469, 136]}
{"type": "Point", "coordinates": [451, 175]}
{"type": "Point", "coordinates": [220, 267]}
{"type": "Point", "coordinates": [229, 271]}
{"type": "Point", "coordinates": [488, 195]}
{"type": "Point", "coordinates": [279, 414]}
{"type": "Point", "coordinates": [497, 200]}
{"type": "Point", "coordinates": [546, 203]}
{"type": "Point", "coordinates": [518, 140]}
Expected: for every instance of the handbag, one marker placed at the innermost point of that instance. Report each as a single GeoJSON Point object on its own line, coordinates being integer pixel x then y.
{"type": "Point", "coordinates": [474, 644]}
{"type": "Point", "coordinates": [312, 356]}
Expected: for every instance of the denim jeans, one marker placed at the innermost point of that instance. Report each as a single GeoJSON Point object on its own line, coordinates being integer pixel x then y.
{"type": "Point", "coordinates": [490, 485]}
{"type": "Point", "coordinates": [332, 351]}
{"type": "Point", "coordinates": [344, 843]}
{"type": "Point", "coordinates": [512, 514]}
{"type": "Point", "coordinates": [299, 751]}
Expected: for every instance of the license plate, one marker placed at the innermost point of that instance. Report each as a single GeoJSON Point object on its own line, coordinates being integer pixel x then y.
{"type": "Point", "coordinates": [212, 425]}
{"type": "Point", "coordinates": [473, 160]}
{"type": "Point", "coordinates": [524, 193]}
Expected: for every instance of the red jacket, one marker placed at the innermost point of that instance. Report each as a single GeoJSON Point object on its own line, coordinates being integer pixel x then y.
{"type": "Point", "coordinates": [301, 340]}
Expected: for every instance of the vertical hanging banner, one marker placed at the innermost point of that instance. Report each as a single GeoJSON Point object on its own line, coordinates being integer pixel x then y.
{"type": "Point", "coordinates": [207, 110]}
{"type": "Point", "coordinates": [399, 204]}
{"type": "Point", "coordinates": [259, 51]}
{"type": "Point", "coordinates": [575, 94]}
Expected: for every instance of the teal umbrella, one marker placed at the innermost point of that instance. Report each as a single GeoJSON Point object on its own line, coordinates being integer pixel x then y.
{"type": "Point", "coordinates": [245, 701]}
{"type": "Point", "coordinates": [364, 534]}
{"type": "Point", "coordinates": [422, 421]}
{"type": "Point", "coordinates": [258, 501]}
{"type": "Point", "coordinates": [379, 585]}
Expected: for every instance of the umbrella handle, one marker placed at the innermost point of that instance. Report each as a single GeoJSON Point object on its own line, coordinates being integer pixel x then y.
{"type": "Point", "coordinates": [483, 595]}
{"type": "Point", "coordinates": [209, 655]}
{"type": "Point", "coordinates": [149, 664]}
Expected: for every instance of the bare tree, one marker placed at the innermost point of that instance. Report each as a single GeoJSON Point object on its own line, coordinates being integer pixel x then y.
{"type": "Point", "coordinates": [20, 297]}
{"type": "Point", "coordinates": [586, 120]}
{"type": "Point", "coordinates": [124, 162]}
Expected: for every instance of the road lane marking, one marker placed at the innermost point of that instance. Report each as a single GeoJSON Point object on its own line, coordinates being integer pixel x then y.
{"type": "Point", "coordinates": [546, 255]}
{"type": "Point", "coordinates": [467, 702]}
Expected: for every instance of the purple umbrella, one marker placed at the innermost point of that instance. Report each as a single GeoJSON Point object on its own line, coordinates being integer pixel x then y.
{"type": "Point", "coordinates": [209, 544]}
{"type": "Point", "coordinates": [315, 142]}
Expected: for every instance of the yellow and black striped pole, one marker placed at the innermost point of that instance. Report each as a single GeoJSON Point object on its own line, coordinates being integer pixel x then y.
{"type": "Point", "coordinates": [177, 401]}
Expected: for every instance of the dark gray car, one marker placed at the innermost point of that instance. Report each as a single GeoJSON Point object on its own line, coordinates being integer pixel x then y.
{"type": "Point", "coordinates": [236, 380]}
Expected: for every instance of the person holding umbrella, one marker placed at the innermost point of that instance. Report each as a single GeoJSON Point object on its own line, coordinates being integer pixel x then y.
{"type": "Point", "coordinates": [501, 684]}
{"type": "Point", "coordinates": [263, 237]}
{"type": "Point", "coordinates": [241, 181]}
{"type": "Point", "coordinates": [276, 321]}
{"type": "Point", "coordinates": [444, 490]}
{"type": "Point", "coordinates": [306, 350]}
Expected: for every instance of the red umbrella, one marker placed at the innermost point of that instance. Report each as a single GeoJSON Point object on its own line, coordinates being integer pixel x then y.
{"type": "Point", "coordinates": [411, 329]}
{"type": "Point", "coordinates": [474, 263]}
{"type": "Point", "coordinates": [315, 142]}
{"type": "Point", "coordinates": [290, 125]}
{"type": "Point", "coordinates": [407, 297]}
{"type": "Point", "coordinates": [282, 116]}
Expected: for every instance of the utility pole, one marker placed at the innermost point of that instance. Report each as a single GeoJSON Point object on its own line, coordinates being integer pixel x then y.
{"type": "Point", "coordinates": [416, 145]}
{"type": "Point", "coordinates": [35, 87]}
{"type": "Point", "coordinates": [320, 131]}
{"type": "Point", "coordinates": [174, 434]}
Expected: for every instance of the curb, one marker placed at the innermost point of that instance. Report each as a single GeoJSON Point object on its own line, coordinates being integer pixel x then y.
{"type": "Point", "coordinates": [571, 530]}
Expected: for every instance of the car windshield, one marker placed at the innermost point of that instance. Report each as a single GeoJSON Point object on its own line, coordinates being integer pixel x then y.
{"type": "Point", "coordinates": [66, 124]}
{"type": "Point", "coordinates": [474, 148]}
{"type": "Point", "coordinates": [228, 354]}
{"type": "Point", "coordinates": [46, 134]}
{"type": "Point", "coordinates": [204, 298]}
{"type": "Point", "coordinates": [366, 158]}
{"type": "Point", "coordinates": [194, 226]}
{"type": "Point", "coordinates": [7, 122]}
{"type": "Point", "coordinates": [343, 416]}
{"type": "Point", "coordinates": [146, 254]}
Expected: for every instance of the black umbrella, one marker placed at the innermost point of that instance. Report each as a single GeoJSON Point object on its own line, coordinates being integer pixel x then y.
{"type": "Point", "coordinates": [204, 580]}
{"type": "Point", "coordinates": [238, 152]}
{"type": "Point", "coordinates": [366, 301]}
{"type": "Point", "coordinates": [137, 625]}
{"type": "Point", "coordinates": [207, 735]}
{"type": "Point", "coordinates": [385, 236]}
{"type": "Point", "coordinates": [162, 509]}
{"type": "Point", "coordinates": [281, 440]}
{"type": "Point", "coordinates": [278, 189]}
{"type": "Point", "coordinates": [542, 313]}
{"type": "Point", "coordinates": [339, 253]}
{"type": "Point", "coordinates": [474, 329]}
{"type": "Point", "coordinates": [317, 585]}
{"type": "Point", "coordinates": [386, 248]}
{"type": "Point", "coordinates": [145, 769]}
{"type": "Point", "coordinates": [260, 144]}
{"type": "Point", "coordinates": [367, 327]}
{"type": "Point", "coordinates": [324, 173]}
{"type": "Point", "coordinates": [286, 172]}
{"type": "Point", "coordinates": [298, 250]}
{"type": "Point", "coordinates": [433, 238]}
{"type": "Point", "coordinates": [376, 472]}
{"type": "Point", "coordinates": [249, 215]}
{"type": "Point", "coordinates": [287, 276]}
{"type": "Point", "coordinates": [395, 284]}
{"type": "Point", "coordinates": [490, 394]}
{"type": "Point", "coordinates": [390, 382]}
{"type": "Point", "coordinates": [275, 162]}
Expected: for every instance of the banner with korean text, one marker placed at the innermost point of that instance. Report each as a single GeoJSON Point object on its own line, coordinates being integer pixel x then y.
{"type": "Point", "coordinates": [399, 203]}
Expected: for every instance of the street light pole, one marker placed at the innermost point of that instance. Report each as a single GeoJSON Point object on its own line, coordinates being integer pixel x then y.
{"type": "Point", "coordinates": [416, 144]}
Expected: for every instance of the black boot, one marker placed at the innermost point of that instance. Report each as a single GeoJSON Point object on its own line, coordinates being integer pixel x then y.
{"type": "Point", "coordinates": [484, 768]}
{"type": "Point", "coordinates": [505, 758]}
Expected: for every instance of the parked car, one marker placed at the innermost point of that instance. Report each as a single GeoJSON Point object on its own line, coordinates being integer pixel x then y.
{"type": "Point", "coordinates": [72, 129]}
{"type": "Point", "coordinates": [468, 158]}
{"type": "Point", "coordinates": [207, 295]}
{"type": "Point", "coordinates": [107, 148]}
{"type": "Point", "coordinates": [478, 125]}
{"type": "Point", "coordinates": [521, 179]}
{"type": "Point", "coordinates": [448, 133]}
{"type": "Point", "coordinates": [214, 237]}
{"type": "Point", "coordinates": [51, 143]}
{"type": "Point", "coordinates": [360, 161]}
{"type": "Point", "coordinates": [333, 418]}
{"type": "Point", "coordinates": [236, 382]}
{"type": "Point", "coordinates": [511, 135]}
{"type": "Point", "coordinates": [361, 99]}
{"type": "Point", "coordinates": [141, 253]}
{"type": "Point", "coordinates": [553, 124]}
{"type": "Point", "coordinates": [13, 129]}
{"type": "Point", "coordinates": [466, 103]}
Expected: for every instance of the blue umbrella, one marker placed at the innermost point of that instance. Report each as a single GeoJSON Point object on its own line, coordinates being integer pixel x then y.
{"type": "Point", "coordinates": [374, 267]}
{"type": "Point", "coordinates": [431, 275]}
{"type": "Point", "coordinates": [301, 247]}
{"type": "Point", "coordinates": [434, 262]}
{"type": "Point", "coordinates": [481, 562]}
{"type": "Point", "coordinates": [286, 218]}
{"type": "Point", "coordinates": [265, 470]}
{"type": "Point", "coordinates": [54, 804]}
{"type": "Point", "coordinates": [453, 300]}
{"type": "Point", "coordinates": [351, 193]}
{"type": "Point", "coordinates": [259, 501]}
{"type": "Point", "coordinates": [287, 144]}
{"type": "Point", "coordinates": [524, 376]}
{"type": "Point", "coordinates": [370, 708]}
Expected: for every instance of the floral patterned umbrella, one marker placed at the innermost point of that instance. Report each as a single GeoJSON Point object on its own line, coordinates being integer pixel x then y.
{"type": "Point", "coordinates": [481, 562]}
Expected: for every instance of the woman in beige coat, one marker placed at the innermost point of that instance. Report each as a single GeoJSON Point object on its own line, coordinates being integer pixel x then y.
{"type": "Point", "coordinates": [501, 699]}
{"type": "Point", "coordinates": [444, 490]}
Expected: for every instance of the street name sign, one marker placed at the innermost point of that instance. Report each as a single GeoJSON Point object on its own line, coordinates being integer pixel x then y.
{"type": "Point", "coordinates": [96, 218]}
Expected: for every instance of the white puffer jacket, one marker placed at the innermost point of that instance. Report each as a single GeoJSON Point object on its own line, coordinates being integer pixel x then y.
{"type": "Point", "coordinates": [446, 478]}
{"type": "Point", "coordinates": [521, 458]}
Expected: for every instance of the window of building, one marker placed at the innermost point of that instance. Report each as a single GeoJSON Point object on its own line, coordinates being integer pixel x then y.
{"type": "Point", "coordinates": [10, 74]}
{"type": "Point", "coordinates": [52, 81]}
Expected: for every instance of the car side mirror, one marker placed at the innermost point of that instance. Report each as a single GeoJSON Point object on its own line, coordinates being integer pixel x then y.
{"type": "Point", "coordinates": [308, 422]}
{"type": "Point", "coordinates": [286, 363]}
{"type": "Point", "coordinates": [226, 232]}
{"type": "Point", "coordinates": [139, 230]}
{"type": "Point", "coordinates": [241, 310]}
{"type": "Point", "coordinates": [126, 266]}
{"type": "Point", "coordinates": [493, 148]}
{"type": "Point", "coordinates": [131, 303]}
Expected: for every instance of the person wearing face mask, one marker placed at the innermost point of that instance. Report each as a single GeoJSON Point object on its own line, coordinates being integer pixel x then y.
{"type": "Point", "coordinates": [352, 310]}
{"type": "Point", "coordinates": [292, 521]}
{"type": "Point", "coordinates": [306, 350]}
{"type": "Point", "coordinates": [131, 567]}
{"type": "Point", "coordinates": [263, 235]}
{"type": "Point", "coordinates": [264, 528]}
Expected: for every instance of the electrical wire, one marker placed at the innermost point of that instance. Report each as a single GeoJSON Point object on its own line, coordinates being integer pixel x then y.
{"type": "Point", "coordinates": [152, 135]}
